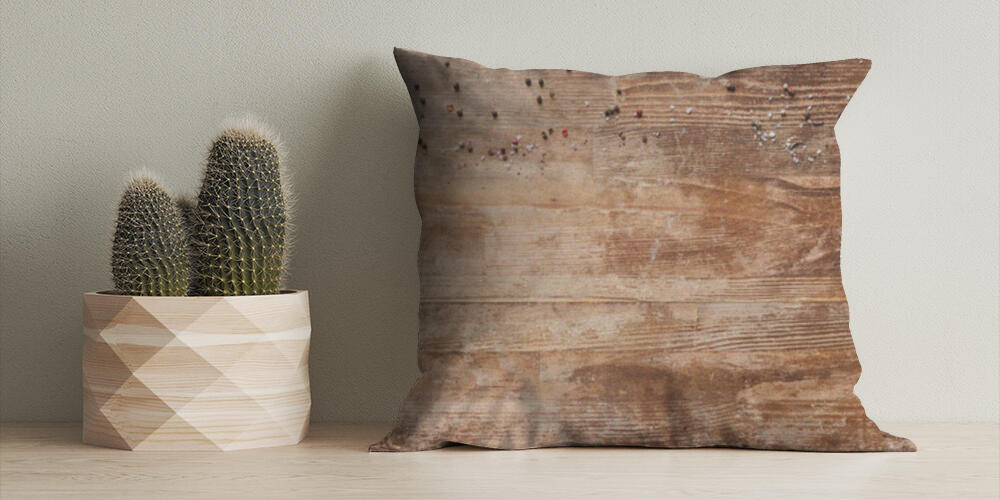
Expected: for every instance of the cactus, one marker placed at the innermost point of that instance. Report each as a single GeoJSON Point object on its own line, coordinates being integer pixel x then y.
{"type": "Point", "coordinates": [149, 252]}
{"type": "Point", "coordinates": [188, 207]}
{"type": "Point", "coordinates": [240, 228]}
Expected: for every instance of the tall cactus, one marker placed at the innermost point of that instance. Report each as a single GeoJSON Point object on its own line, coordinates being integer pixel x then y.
{"type": "Point", "coordinates": [240, 231]}
{"type": "Point", "coordinates": [149, 253]}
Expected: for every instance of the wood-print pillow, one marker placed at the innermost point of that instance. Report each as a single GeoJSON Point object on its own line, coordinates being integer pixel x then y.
{"type": "Point", "coordinates": [640, 260]}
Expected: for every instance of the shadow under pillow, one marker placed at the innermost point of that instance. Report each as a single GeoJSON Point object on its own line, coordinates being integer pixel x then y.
{"type": "Point", "coordinates": [640, 260]}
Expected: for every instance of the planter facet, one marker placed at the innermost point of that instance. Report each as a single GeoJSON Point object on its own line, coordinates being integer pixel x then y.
{"type": "Point", "coordinates": [190, 373]}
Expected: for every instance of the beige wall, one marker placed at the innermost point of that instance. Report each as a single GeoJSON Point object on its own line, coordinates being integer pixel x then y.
{"type": "Point", "coordinates": [92, 90]}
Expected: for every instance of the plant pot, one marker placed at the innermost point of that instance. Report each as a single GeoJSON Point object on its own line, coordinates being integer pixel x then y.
{"type": "Point", "coordinates": [195, 373]}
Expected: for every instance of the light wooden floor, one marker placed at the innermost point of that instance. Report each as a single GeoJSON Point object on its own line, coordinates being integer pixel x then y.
{"type": "Point", "coordinates": [48, 461]}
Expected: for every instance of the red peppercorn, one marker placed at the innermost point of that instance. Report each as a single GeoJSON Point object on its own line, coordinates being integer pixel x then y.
{"type": "Point", "coordinates": [450, 108]}
{"type": "Point", "coordinates": [565, 133]}
{"type": "Point", "coordinates": [638, 113]}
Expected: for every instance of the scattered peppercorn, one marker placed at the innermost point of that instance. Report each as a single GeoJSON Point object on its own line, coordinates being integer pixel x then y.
{"type": "Point", "coordinates": [494, 115]}
{"type": "Point", "coordinates": [457, 87]}
{"type": "Point", "coordinates": [552, 94]}
{"type": "Point", "coordinates": [619, 91]}
{"type": "Point", "coordinates": [459, 113]}
{"type": "Point", "coordinates": [527, 81]}
{"type": "Point", "coordinates": [541, 83]}
{"type": "Point", "coordinates": [731, 88]}
{"type": "Point", "coordinates": [539, 99]}
{"type": "Point", "coordinates": [565, 133]}
{"type": "Point", "coordinates": [638, 113]}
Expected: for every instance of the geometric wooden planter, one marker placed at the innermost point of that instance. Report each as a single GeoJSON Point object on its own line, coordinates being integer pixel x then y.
{"type": "Point", "coordinates": [195, 373]}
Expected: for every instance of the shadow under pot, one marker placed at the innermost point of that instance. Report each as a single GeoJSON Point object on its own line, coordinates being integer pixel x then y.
{"type": "Point", "coordinates": [195, 373]}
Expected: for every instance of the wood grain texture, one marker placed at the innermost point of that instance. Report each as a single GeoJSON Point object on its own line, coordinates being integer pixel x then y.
{"type": "Point", "coordinates": [45, 460]}
{"type": "Point", "coordinates": [641, 260]}
{"type": "Point", "coordinates": [195, 373]}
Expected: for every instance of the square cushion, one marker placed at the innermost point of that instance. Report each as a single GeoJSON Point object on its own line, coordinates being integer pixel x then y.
{"type": "Point", "coordinates": [641, 260]}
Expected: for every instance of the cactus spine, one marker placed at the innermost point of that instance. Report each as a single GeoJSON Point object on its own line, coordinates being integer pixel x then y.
{"type": "Point", "coordinates": [149, 253]}
{"type": "Point", "coordinates": [240, 226]}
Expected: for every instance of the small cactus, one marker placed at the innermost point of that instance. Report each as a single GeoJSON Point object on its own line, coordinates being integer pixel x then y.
{"type": "Point", "coordinates": [241, 222]}
{"type": "Point", "coordinates": [188, 208]}
{"type": "Point", "coordinates": [149, 252]}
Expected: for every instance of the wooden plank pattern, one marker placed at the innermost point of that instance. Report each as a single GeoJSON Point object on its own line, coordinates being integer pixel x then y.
{"type": "Point", "coordinates": [631, 326]}
{"type": "Point", "coordinates": [47, 460]}
{"type": "Point", "coordinates": [643, 260]}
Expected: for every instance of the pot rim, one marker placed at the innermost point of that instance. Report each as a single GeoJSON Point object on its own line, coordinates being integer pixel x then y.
{"type": "Point", "coordinates": [111, 293]}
